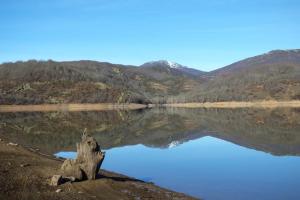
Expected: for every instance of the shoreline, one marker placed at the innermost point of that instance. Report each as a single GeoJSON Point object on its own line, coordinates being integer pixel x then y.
{"type": "Point", "coordinates": [70, 107]}
{"type": "Point", "coordinates": [132, 106]}
{"type": "Point", "coordinates": [25, 174]}
{"type": "Point", "coordinates": [238, 104]}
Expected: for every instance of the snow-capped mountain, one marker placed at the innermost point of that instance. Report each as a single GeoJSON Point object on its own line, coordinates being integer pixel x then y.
{"type": "Point", "coordinates": [161, 64]}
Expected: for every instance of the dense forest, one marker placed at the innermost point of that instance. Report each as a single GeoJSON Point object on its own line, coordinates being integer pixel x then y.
{"type": "Point", "coordinates": [271, 76]}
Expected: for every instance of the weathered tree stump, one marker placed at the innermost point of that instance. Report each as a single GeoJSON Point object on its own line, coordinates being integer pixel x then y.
{"type": "Point", "coordinates": [56, 180]}
{"type": "Point", "coordinates": [88, 162]}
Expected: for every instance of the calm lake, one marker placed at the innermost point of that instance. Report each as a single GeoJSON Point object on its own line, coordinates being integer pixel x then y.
{"type": "Point", "coordinates": [207, 153]}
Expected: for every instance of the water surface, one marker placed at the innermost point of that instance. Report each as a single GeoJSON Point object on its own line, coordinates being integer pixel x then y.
{"type": "Point", "coordinates": [207, 153]}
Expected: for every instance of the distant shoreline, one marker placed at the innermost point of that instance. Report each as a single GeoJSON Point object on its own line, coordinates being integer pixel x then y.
{"type": "Point", "coordinates": [132, 106]}
{"type": "Point", "coordinates": [238, 104]}
{"type": "Point", "coordinates": [69, 107]}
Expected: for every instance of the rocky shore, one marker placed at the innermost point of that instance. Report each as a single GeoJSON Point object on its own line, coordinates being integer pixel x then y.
{"type": "Point", "coordinates": [26, 174]}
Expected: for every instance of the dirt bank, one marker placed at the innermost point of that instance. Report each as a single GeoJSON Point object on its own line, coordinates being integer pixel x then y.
{"type": "Point", "coordinates": [238, 104]}
{"type": "Point", "coordinates": [132, 106]}
{"type": "Point", "coordinates": [25, 174]}
{"type": "Point", "coordinates": [70, 107]}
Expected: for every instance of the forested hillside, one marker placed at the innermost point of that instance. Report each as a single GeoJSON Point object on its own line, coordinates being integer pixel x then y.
{"type": "Point", "coordinates": [271, 76]}
{"type": "Point", "coordinates": [36, 82]}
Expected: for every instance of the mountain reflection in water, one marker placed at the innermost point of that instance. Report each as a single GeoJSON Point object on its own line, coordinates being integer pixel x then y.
{"type": "Point", "coordinates": [201, 152]}
{"type": "Point", "coordinates": [209, 168]}
{"type": "Point", "coordinates": [273, 131]}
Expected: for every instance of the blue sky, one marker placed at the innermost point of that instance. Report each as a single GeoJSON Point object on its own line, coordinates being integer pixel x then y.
{"type": "Point", "coordinates": [201, 34]}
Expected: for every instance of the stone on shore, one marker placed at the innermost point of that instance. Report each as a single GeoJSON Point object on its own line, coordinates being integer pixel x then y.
{"type": "Point", "coordinates": [25, 165]}
{"type": "Point", "coordinates": [12, 144]}
{"type": "Point", "coordinates": [58, 190]}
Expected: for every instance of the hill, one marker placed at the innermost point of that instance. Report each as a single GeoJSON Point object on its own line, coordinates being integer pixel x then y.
{"type": "Point", "coordinates": [271, 76]}
{"type": "Point", "coordinates": [35, 82]}
{"type": "Point", "coordinates": [171, 67]}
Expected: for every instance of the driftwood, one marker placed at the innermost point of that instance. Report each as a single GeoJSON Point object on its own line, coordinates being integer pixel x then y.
{"type": "Point", "coordinates": [88, 162]}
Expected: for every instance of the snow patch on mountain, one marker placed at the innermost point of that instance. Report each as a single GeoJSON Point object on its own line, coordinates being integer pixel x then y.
{"type": "Point", "coordinates": [164, 63]}
{"type": "Point", "coordinates": [173, 64]}
{"type": "Point", "coordinates": [174, 144]}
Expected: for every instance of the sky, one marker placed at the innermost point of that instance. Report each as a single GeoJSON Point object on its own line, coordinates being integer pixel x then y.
{"type": "Point", "coordinates": [206, 34]}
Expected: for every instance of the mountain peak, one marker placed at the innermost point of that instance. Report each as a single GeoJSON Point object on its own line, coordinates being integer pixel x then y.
{"type": "Point", "coordinates": [165, 63]}
{"type": "Point", "coordinates": [173, 66]}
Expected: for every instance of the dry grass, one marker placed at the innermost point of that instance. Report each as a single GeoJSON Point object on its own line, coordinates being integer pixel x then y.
{"type": "Point", "coordinates": [69, 107]}
{"type": "Point", "coordinates": [158, 86]}
{"type": "Point", "coordinates": [110, 106]}
{"type": "Point", "coordinates": [236, 104]}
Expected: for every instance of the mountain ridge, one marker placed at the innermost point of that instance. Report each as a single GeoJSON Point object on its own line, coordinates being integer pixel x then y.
{"type": "Point", "coordinates": [274, 56]}
{"type": "Point", "coordinates": [156, 62]}
{"type": "Point", "coordinates": [271, 76]}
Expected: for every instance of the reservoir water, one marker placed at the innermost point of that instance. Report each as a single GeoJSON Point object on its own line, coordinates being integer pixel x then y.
{"type": "Point", "coordinates": [207, 153]}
